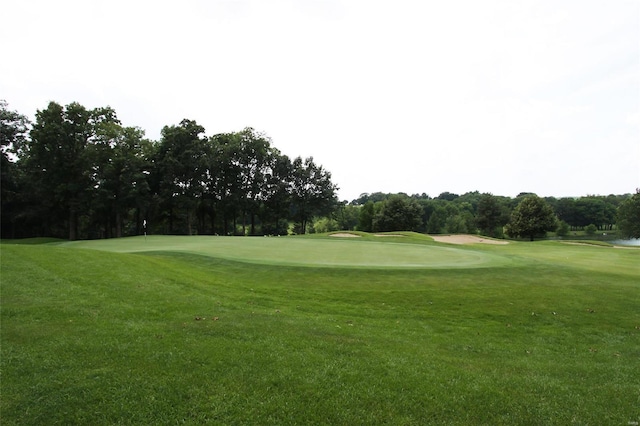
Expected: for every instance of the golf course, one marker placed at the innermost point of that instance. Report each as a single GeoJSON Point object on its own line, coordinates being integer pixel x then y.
{"type": "Point", "coordinates": [325, 329]}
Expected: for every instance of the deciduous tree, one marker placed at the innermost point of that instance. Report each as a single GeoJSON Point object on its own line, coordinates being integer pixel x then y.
{"type": "Point", "coordinates": [59, 165]}
{"type": "Point", "coordinates": [181, 171]}
{"type": "Point", "coordinates": [490, 217]}
{"type": "Point", "coordinates": [398, 213]}
{"type": "Point", "coordinates": [629, 216]}
{"type": "Point", "coordinates": [533, 217]}
{"type": "Point", "coordinates": [13, 133]}
{"type": "Point", "coordinates": [313, 193]}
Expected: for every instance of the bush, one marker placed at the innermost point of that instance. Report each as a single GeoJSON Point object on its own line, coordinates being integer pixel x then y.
{"type": "Point", "coordinates": [563, 229]}
{"type": "Point", "coordinates": [324, 225]}
{"type": "Point", "coordinates": [590, 230]}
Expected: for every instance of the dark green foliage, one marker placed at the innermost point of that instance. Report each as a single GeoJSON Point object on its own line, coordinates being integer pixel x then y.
{"type": "Point", "coordinates": [58, 164]}
{"type": "Point", "coordinates": [347, 216]}
{"type": "Point", "coordinates": [13, 131]}
{"type": "Point", "coordinates": [491, 215]}
{"type": "Point", "coordinates": [533, 217]}
{"type": "Point", "coordinates": [365, 220]}
{"type": "Point", "coordinates": [181, 172]}
{"type": "Point", "coordinates": [563, 229]}
{"type": "Point", "coordinates": [312, 192]}
{"type": "Point", "coordinates": [629, 216]}
{"type": "Point", "coordinates": [121, 184]}
{"type": "Point", "coordinates": [437, 220]}
{"type": "Point", "coordinates": [447, 196]}
{"type": "Point", "coordinates": [580, 212]}
{"type": "Point", "coordinates": [398, 213]}
{"type": "Point", "coordinates": [81, 174]}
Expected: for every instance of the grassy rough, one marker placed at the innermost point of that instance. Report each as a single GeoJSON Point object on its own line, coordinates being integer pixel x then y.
{"type": "Point", "coordinates": [93, 337]}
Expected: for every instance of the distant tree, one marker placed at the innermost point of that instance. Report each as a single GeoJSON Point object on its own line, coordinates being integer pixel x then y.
{"type": "Point", "coordinates": [120, 177]}
{"type": "Point", "coordinates": [629, 216]}
{"type": "Point", "coordinates": [13, 129]}
{"type": "Point", "coordinates": [533, 217]}
{"type": "Point", "coordinates": [490, 215]}
{"type": "Point", "coordinates": [456, 225]}
{"type": "Point", "coordinates": [365, 219]}
{"type": "Point", "coordinates": [469, 201]}
{"type": "Point", "coordinates": [366, 197]}
{"type": "Point", "coordinates": [277, 195]}
{"type": "Point", "coordinates": [565, 209]}
{"type": "Point", "coordinates": [563, 229]}
{"type": "Point", "coordinates": [591, 229]}
{"type": "Point", "coordinates": [13, 133]}
{"type": "Point", "coordinates": [437, 220]}
{"type": "Point", "coordinates": [312, 192]}
{"type": "Point", "coordinates": [398, 213]}
{"type": "Point", "coordinates": [347, 216]}
{"type": "Point", "coordinates": [325, 224]}
{"type": "Point", "coordinates": [447, 196]}
{"type": "Point", "coordinates": [59, 165]}
{"type": "Point", "coordinates": [181, 172]}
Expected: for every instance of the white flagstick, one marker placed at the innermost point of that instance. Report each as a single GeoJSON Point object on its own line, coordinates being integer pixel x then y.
{"type": "Point", "coordinates": [144, 225]}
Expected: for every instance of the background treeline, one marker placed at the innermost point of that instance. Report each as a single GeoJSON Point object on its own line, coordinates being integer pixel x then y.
{"type": "Point", "coordinates": [79, 173]}
{"type": "Point", "coordinates": [472, 212]}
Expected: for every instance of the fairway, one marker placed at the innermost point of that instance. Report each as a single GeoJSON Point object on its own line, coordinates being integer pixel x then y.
{"type": "Point", "coordinates": [294, 251]}
{"type": "Point", "coordinates": [317, 330]}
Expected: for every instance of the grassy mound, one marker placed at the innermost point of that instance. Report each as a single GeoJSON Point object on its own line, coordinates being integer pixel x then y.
{"type": "Point", "coordinates": [332, 252]}
{"type": "Point", "coordinates": [99, 337]}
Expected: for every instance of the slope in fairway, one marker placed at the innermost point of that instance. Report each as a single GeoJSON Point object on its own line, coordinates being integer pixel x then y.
{"type": "Point", "coordinates": [304, 251]}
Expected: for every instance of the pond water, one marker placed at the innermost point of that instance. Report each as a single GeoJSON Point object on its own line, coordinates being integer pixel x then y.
{"type": "Point", "coordinates": [631, 242]}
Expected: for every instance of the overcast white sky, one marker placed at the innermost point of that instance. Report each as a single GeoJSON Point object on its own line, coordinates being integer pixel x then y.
{"type": "Point", "coordinates": [391, 96]}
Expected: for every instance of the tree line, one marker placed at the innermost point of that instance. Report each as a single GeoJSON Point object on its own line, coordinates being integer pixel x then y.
{"type": "Point", "coordinates": [79, 173]}
{"type": "Point", "coordinates": [526, 215]}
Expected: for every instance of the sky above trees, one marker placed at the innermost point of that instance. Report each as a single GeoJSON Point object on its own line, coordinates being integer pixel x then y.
{"type": "Point", "coordinates": [403, 96]}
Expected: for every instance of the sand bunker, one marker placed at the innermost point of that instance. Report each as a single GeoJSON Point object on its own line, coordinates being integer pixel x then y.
{"type": "Point", "coordinates": [465, 239]}
{"type": "Point", "coordinates": [344, 235]}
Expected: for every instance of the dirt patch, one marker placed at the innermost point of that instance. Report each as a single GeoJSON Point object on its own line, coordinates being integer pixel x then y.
{"type": "Point", "coordinates": [465, 239]}
{"type": "Point", "coordinates": [344, 235]}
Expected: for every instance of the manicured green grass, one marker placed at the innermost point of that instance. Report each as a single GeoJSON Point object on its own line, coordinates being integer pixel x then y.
{"type": "Point", "coordinates": [333, 252]}
{"type": "Point", "coordinates": [547, 334]}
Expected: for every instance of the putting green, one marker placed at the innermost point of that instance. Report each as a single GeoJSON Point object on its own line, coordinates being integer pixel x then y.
{"type": "Point", "coordinates": [306, 251]}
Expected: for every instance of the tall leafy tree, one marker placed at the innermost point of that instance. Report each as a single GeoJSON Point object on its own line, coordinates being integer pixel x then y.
{"type": "Point", "coordinates": [347, 217]}
{"type": "Point", "coordinates": [253, 159]}
{"type": "Point", "coordinates": [365, 218]}
{"type": "Point", "coordinates": [181, 172]}
{"type": "Point", "coordinates": [277, 194]}
{"type": "Point", "coordinates": [566, 210]}
{"type": "Point", "coordinates": [533, 217]}
{"type": "Point", "coordinates": [313, 193]}
{"type": "Point", "coordinates": [398, 213]}
{"type": "Point", "coordinates": [58, 164]}
{"type": "Point", "coordinates": [490, 216]}
{"type": "Point", "coordinates": [438, 218]}
{"type": "Point", "coordinates": [13, 133]}
{"type": "Point", "coordinates": [224, 181]}
{"type": "Point", "coordinates": [120, 176]}
{"type": "Point", "coordinates": [629, 216]}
